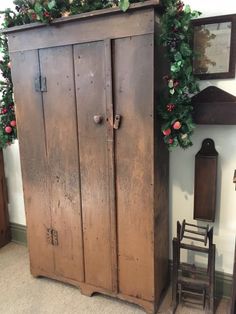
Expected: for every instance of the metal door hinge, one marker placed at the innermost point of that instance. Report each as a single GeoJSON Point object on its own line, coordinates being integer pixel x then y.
{"type": "Point", "coordinates": [40, 84]}
{"type": "Point", "coordinates": [52, 236]}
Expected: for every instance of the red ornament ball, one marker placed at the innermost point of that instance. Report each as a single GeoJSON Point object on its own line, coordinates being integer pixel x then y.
{"type": "Point", "coordinates": [167, 132]}
{"type": "Point", "coordinates": [177, 125]}
{"type": "Point", "coordinates": [8, 129]}
{"type": "Point", "coordinates": [170, 141]}
{"type": "Point", "coordinates": [13, 123]}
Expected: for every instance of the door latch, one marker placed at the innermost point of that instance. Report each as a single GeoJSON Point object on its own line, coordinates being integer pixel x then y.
{"type": "Point", "coordinates": [117, 122]}
{"type": "Point", "coordinates": [40, 84]}
{"type": "Point", "coordinates": [52, 236]}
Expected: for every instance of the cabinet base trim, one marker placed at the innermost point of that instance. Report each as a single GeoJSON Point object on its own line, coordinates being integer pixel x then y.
{"type": "Point", "coordinates": [89, 290]}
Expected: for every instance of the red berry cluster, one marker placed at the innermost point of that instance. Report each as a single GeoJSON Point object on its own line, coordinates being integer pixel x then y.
{"type": "Point", "coordinates": [46, 14]}
{"type": "Point", "coordinates": [33, 16]}
{"type": "Point", "coordinates": [3, 111]}
{"type": "Point", "coordinates": [180, 6]}
{"type": "Point", "coordinates": [170, 107]}
{"type": "Point", "coordinates": [175, 83]}
{"type": "Point", "coordinates": [169, 80]}
{"type": "Point", "coordinates": [167, 132]}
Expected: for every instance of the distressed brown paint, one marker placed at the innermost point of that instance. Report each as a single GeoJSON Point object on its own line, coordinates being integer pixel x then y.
{"type": "Point", "coordinates": [95, 169]}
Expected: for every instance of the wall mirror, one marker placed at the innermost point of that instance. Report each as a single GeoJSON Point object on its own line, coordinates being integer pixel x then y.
{"type": "Point", "coordinates": [214, 41]}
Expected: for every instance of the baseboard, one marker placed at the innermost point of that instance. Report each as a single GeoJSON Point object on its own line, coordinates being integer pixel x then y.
{"type": "Point", "coordinates": [18, 233]}
{"type": "Point", "coordinates": [223, 283]}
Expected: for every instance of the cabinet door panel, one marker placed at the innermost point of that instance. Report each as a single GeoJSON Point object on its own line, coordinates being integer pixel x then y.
{"type": "Point", "coordinates": [91, 101]}
{"type": "Point", "coordinates": [31, 133]}
{"type": "Point", "coordinates": [133, 90]}
{"type": "Point", "coordinates": [63, 160]}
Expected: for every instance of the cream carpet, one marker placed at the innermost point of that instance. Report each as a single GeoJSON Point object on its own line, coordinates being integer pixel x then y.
{"type": "Point", "coordinates": [20, 293]}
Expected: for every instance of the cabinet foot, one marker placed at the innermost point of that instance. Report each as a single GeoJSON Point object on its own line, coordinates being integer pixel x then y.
{"type": "Point", "coordinates": [86, 290]}
{"type": "Point", "coordinates": [35, 274]}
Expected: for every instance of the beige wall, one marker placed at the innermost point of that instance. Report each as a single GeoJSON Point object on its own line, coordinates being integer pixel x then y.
{"type": "Point", "coordinates": [181, 167]}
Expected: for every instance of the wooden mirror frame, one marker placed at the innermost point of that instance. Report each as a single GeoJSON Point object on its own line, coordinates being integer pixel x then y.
{"type": "Point", "coordinates": [213, 20]}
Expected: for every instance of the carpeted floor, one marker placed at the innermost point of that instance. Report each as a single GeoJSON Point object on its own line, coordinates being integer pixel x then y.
{"type": "Point", "coordinates": [20, 293]}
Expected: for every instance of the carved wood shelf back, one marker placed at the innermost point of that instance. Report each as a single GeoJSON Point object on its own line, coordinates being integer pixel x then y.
{"type": "Point", "coordinates": [214, 106]}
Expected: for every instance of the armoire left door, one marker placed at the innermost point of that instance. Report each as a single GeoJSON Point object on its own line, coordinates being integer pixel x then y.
{"type": "Point", "coordinates": [67, 160]}
{"type": "Point", "coordinates": [47, 126]}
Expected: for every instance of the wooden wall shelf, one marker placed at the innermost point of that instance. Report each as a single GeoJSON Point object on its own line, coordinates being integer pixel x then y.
{"type": "Point", "coordinates": [214, 106]}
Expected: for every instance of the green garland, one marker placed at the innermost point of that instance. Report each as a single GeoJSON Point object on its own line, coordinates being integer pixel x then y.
{"type": "Point", "coordinates": [175, 110]}
{"type": "Point", "coordinates": [8, 130]}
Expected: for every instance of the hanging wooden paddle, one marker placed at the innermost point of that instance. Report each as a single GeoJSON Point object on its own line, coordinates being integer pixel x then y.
{"type": "Point", "coordinates": [205, 181]}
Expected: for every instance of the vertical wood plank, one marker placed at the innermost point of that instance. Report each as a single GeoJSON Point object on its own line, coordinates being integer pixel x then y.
{"type": "Point", "coordinates": [111, 166]}
{"type": "Point", "coordinates": [133, 90]}
{"type": "Point", "coordinates": [62, 146]}
{"type": "Point", "coordinates": [5, 235]}
{"type": "Point", "coordinates": [91, 100]}
{"type": "Point", "coordinates": [161, 177]}
{"type": "Point", "coordinates": [31, 132]}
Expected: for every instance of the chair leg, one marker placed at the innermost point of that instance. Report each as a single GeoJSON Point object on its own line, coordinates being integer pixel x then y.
{"type": "Point", "coordinates": [175, 275]}
{"type": "Point", "coordinates": [212, 280]}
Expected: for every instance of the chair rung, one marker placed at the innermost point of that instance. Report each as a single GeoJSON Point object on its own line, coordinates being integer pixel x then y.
{"type": "Point", "coordinates": [189, 268]}
{"type": "Point", "coordinates": [187, 224]}
{"type": "Point", "coordinates": [194, 239]}
{"type": "Point", "coordinates": [193, 301]}
{"type": "Point", "coordinates": [194, 248]}
{"type": "Point", "coordinates": [193, 283]}
{"type": "Point", "coordinates": [193, 292]}
{"type": "Point", "coordinates": [195, 232]}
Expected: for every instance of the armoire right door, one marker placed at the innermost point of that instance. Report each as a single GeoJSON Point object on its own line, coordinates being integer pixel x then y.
{"type": "Point", "coordinates": [133, 100]}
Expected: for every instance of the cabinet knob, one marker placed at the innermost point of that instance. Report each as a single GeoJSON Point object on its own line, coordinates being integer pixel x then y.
{"type": "Point", "coordinates": [98, 119]}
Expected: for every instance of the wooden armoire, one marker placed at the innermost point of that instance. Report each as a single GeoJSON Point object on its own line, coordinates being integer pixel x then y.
{"type": "Point", "coordinates": [95, 169]}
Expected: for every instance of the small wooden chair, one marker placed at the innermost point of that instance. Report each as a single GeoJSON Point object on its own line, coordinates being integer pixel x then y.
{"type": "Point", "coordinates": [189, 283]}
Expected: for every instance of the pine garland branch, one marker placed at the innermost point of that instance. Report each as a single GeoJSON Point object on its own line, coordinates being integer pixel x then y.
{"type": "Point", "coordinates": [175, 109]}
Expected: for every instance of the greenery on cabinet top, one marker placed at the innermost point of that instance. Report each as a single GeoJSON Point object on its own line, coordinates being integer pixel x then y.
{"type": "Point", "coordinates": [28, 11]}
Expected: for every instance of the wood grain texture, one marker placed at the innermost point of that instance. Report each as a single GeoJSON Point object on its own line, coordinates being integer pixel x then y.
{"type": "Point", "coordinates": [133, 99]}
{"type": "Point", "coordinates": [86, 15]}
{"type": "Point", "coordinates": [73, 156]}
{"type": "Point", "coordinates": [205, 182]}
{"type": "Point", "coordinates": [31, 133]}
{"type": "Point", "coordinates": [5, 235]}
{"type": "Point", "coordinates": [94, 29]}
{"type": "Point", "coordinates": [89, 290]}
{"type": "Point", "coordinates": [161, 178]}
{"type": "Point", "coordinates": [111, 160]}
{"type": "Point", "coordinates": [91, 100]}
{"type": "Point", "coordinates": [214, 106]}
{"type": "Point", "coordinates": [63, 159]}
